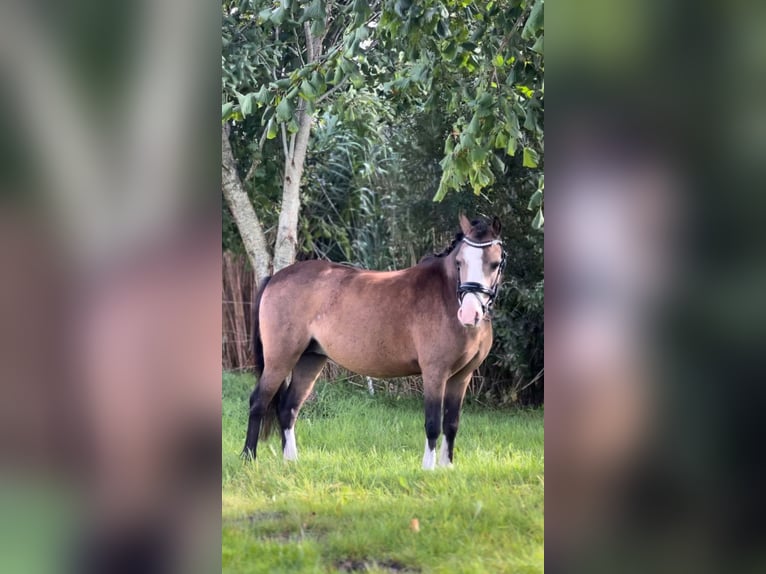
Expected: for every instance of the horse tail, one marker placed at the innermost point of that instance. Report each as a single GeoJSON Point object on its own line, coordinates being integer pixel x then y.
{"type": "Point", "coordinates": [269, 420]}
{"type": "Point", "coordinates": [256, 332]}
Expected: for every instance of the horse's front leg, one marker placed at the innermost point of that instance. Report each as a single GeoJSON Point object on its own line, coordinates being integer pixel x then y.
{"type": "Point", "coordinates": [433, 390]}
{"type": "Point", "coordinates": [453, 402]}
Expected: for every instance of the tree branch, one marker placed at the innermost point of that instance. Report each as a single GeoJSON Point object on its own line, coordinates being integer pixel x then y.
{"type": "Point", "coordinates": [309, 42]}
{"type": "Point", "coordinates": [256, 162]}
{"type": "Point", "coordinates": [292, 145]}
{"type": "Point", "coordinates": [249, 226]}
{"type": "Point", "coordinates": [329, 92]}
{"type": "Point", "coordinates": [284, 142]}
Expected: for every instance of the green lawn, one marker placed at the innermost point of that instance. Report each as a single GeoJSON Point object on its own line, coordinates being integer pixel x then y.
{"type": "Point", "coordinates": [348, 504]}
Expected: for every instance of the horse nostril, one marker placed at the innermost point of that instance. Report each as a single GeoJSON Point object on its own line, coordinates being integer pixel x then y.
{"type": "Point", "coordinates": [476, 320]}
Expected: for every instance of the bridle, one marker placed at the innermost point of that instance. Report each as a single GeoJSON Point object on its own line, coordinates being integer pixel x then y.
{"type": "Point", "coordinates": [475, 288]}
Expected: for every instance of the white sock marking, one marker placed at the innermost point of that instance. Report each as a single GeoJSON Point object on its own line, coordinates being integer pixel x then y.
{"type": "Point", "coordinates": [444, 454]}
{"type": "Point", "coordinates": [291, 450]}
{"type": "Point", "coordinates": [429, 458]}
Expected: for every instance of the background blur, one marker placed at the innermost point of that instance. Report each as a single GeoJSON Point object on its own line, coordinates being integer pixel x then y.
{"type": "Point", "coordinates": [654, 257]}
{"type": "Point", "coordinates": [110, 265]}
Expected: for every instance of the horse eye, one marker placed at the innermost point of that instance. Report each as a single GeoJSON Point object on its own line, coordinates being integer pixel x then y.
{"type": "Point", "coordinates": [495, 266]}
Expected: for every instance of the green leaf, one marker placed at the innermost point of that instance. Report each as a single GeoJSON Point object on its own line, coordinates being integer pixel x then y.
{"type": "Point", "coordinates": [283, 83]}
{"type": "Point", "coordinates": [284, 110]}
{"type": "Point", "coordinates": [485, 100]}
{"type": "Point", "coordinates": [447, 174]}
{"type": "Point", "coordinates": [478, 154]}
{"type": "Point", "coordinates": [535, 200]}
{"type": "Point", "coordinates": [314, 11]}
{"type": "Point", "coordinates": [346, 65]}
{"type": "Point", "coordinates": [271, 130]}
{"type": "Point", "coordinates": [539, 220]}
{"type": "Point", "coordinates": [441, 192]}
{"type": "Point", "coordinates": [278, 16]}
{"type": "Point", "coordinates": [497, 163]}
{"type": "Point", "coordinates": [511, 147]}
{"type": "Point", "coordinates": [534, 22]}
{"type": "Point", "coordinates": [450, 51]}
{"type": "Point", "coordinates": [401, 7]}
{"type": "Point", "coordinates": [337, 77]}
{"type": "Point", "coordinates": [318, 28]}
{"type": "Point", "coordinates": [473, 127]}
{"type": "Point", "coordinates": [317, 82]}
{"type": "Point", "coordinates": [307, 90]}
{"type": "Point", "coordinates": [245, 104]}
{"type": "Point", "coordinates": [262, 95]}
{"type": "Point", "coordinates": [357, 81]}
{"type": "Point", "coordinates": [442, 29]}
{"type": "Point", "coordinates": [530, 158]}
{"type": "Point", "coordinates": [362, 10]}
{"type": "Point", "coordinates": [226, 110]}
{"type": "Point", "coordinates": [530, 122]}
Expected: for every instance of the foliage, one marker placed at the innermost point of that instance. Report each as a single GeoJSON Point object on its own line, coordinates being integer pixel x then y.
{"type": "Point", "coordinates": [266, 73]}
{"type": "Point", "coordinates": [489, 58]}
{"type": "Point", "coordinates": [422, 105]}
{"type": "Point", "coordinates": [352, 496]}
{"type": "Point", "coordinates": [346, 213]}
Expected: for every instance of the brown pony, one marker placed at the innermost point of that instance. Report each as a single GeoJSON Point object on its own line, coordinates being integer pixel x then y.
{"type": "Point", "coordinates": [431, 319]}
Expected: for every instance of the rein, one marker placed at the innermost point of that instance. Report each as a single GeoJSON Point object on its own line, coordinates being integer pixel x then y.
{"type": "Point", "coordinates": [476, 288]}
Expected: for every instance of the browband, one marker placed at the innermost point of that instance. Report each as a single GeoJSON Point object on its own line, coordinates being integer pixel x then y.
{"type": "Point", "coordinates": [485, 244]}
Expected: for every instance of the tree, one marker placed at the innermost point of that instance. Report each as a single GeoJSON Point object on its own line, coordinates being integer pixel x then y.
{"type": "Point", "coordinates": [284, 61]}
{"type": "Point", "coordinates": [489, 57]}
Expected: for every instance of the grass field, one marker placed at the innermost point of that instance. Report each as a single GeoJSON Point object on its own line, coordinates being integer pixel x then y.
{"type": "Point", "coordinates": [357, 500]}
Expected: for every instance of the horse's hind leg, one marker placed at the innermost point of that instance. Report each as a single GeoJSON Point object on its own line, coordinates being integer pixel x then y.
{"type": "Point", "coordinates": [305, 373]}
{"type": "Point", "coordinates": [260, 400]}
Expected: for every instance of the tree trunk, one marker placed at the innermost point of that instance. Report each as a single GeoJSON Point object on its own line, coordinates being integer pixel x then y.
{"type": "Point", "coordinates": [249, 226]}
{"type": "Point", "coordinates": [287, 232]}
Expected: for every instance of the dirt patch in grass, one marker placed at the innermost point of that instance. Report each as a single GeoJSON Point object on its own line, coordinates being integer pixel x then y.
{"type": "Point", "coordinates": [351, 565]}
{"type": "Point", "coordinates": [270, 526]}
{"type": "Point", "coordinates": [256, 518]}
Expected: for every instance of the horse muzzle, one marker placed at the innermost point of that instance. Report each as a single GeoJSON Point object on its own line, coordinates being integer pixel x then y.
{"type": "Point", "coordinates": [471, 311]}
{"type": "Point", "coordinates": [472, 307]}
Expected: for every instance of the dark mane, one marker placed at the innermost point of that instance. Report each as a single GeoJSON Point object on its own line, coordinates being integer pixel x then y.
{"type": "Point", "coordinates": [451, 247]}
{"type": "Point", "coordinates": [481, 231]}
{"type": "Point", "coordinates": [447, 250]}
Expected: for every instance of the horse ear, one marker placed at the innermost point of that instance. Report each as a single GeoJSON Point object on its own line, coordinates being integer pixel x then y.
{"type": "Point", "coordinates": [465, 225]}
{"type": "Point", "coordinates": [496, 226]}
